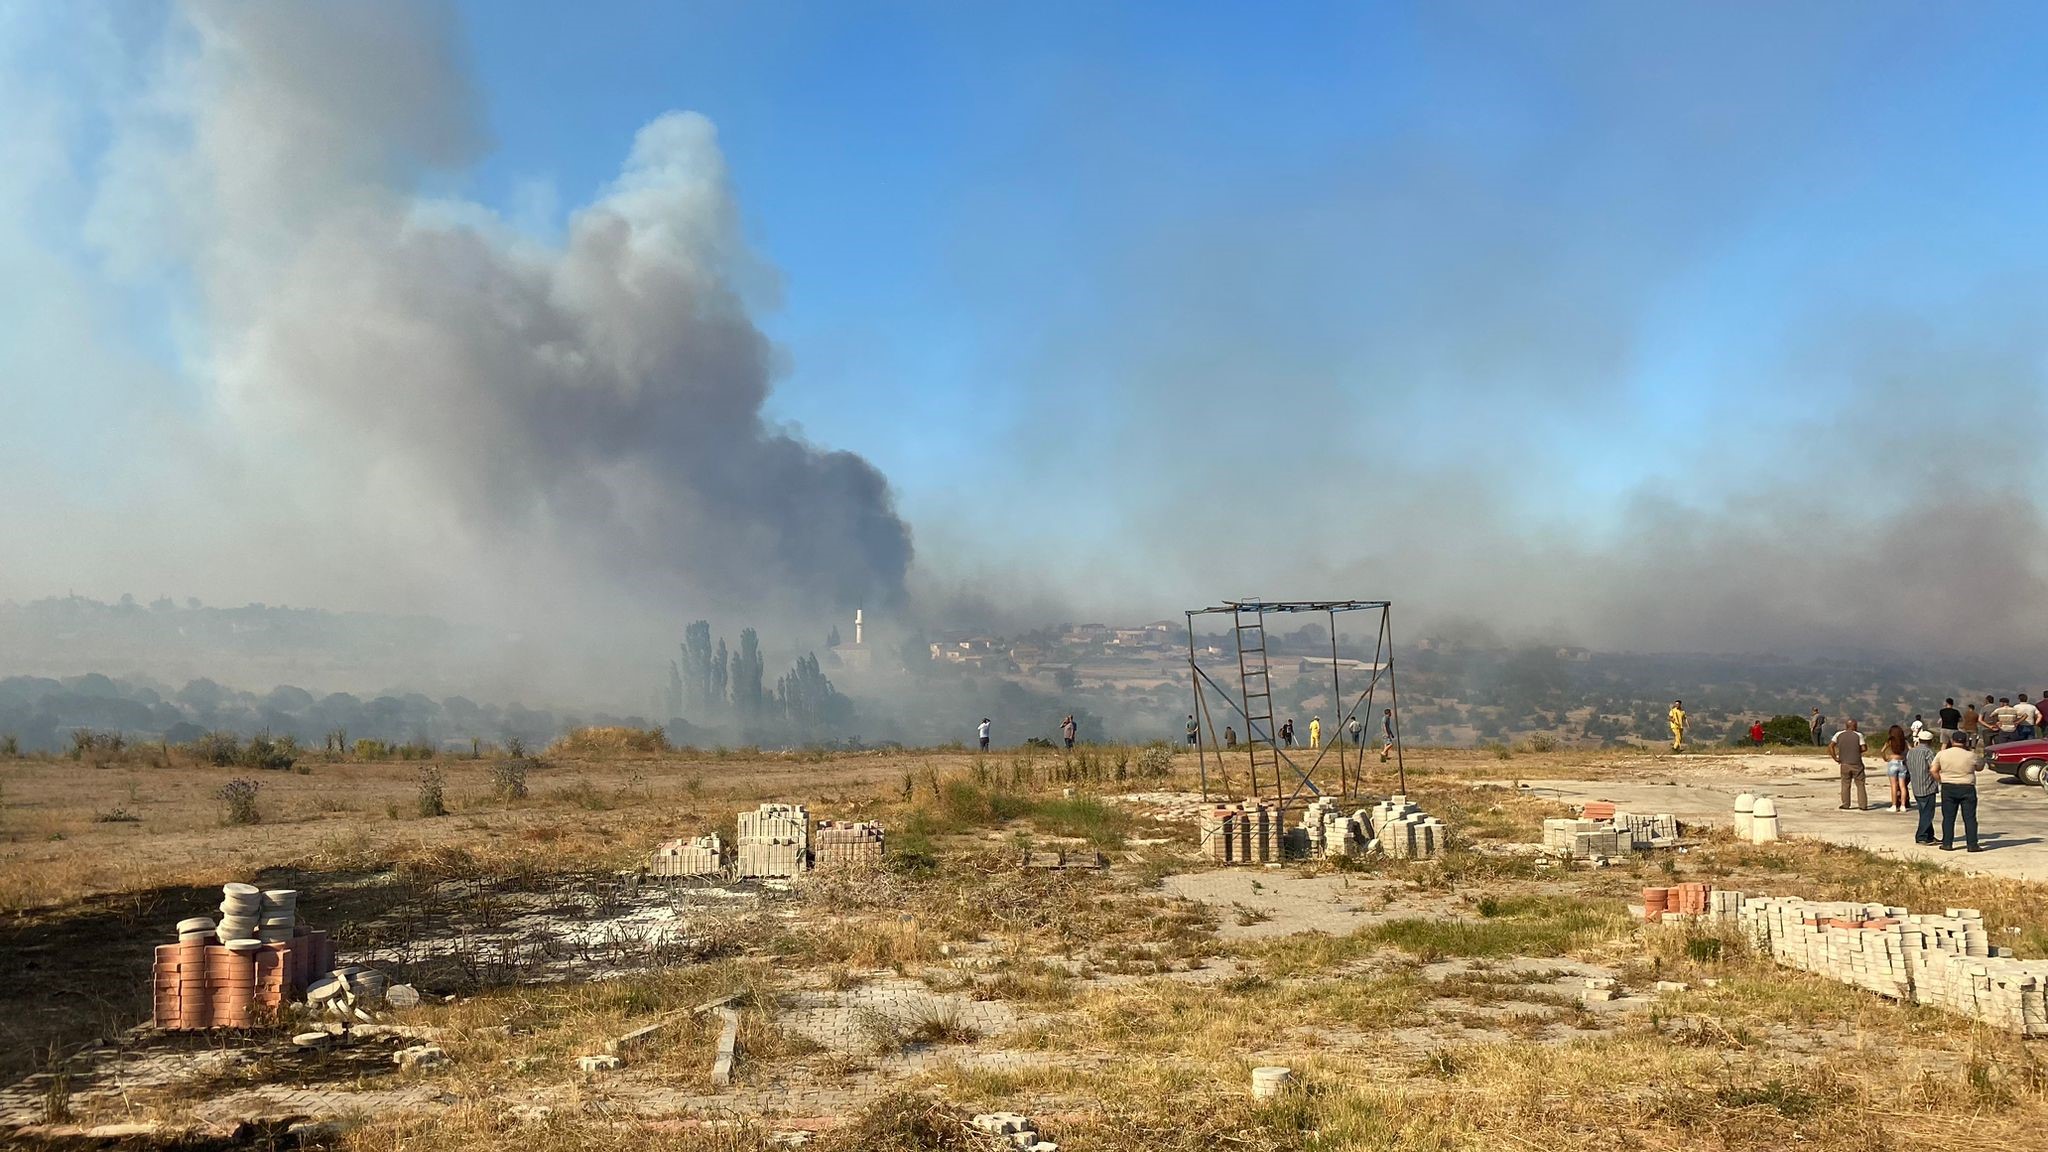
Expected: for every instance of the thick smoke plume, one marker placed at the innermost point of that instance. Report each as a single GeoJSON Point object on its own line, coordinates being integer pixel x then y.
{"type": "Point", "coordinates": [545, 419]}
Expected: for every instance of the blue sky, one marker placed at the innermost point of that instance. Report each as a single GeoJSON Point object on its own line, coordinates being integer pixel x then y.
{"type": "Point", "coordinates": [1116, 283]}
{"type": "Point", "coordinates": [944, 187]}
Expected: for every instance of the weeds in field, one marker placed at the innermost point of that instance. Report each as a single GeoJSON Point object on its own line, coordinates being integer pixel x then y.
{"type": "Point", "coordinates": [238, 801]}
{"type": "Point", "coordinates": [508, 779]}
{"type": "Point", "coordinates": [432, 800]}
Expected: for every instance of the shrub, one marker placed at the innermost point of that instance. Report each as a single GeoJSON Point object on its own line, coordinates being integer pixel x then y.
{"type": "Point", "coordinates": [515, 747]}
{"type": "Point", "coordinates": [1793, 730]}
{"type": "Point", "coordinates": [1155, 760]}
{"type": "Point", "coordinates": [432, 799]}
{"type": "Point", "coordinates": [219, 748]}
{"type": "Point", "coordinates": [116, 816]}
{"type": "Point", "coordinates": [238, 800]}
{"type": "Point", "coordinates": [1037, 742]}
{"type": "Point", "coordinates": [86, 742]}
{"type": "Point", "coordinates": [10, 745]}
{"type": "Point", "coordinates": [272, 755]}
{"type": "Point", "coordinates": [1542, 742]}
{"type": "Point", "coordinates": [610, 741]}
{"type": "Point", "coordinates": [508, 779]}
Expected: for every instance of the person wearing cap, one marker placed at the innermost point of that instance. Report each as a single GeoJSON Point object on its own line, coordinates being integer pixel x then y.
{"type": "Point", "coordinates": [1921, 782]}
{"type": "Point", "coordinates": [1955, 769]}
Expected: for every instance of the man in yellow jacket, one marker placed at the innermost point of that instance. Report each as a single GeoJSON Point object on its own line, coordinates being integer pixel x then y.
{"type": "Point", "coordinates": [1315, 732]}
{"type": "Point", "coordinates": [1677, 725]}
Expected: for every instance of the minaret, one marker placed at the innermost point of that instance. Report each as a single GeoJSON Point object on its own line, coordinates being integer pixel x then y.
{"type": "Point", "coordinates": [856, 627]}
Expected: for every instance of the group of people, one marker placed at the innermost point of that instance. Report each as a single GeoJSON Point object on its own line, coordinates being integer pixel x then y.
{"type": "Point", "coordinates": [1354, 729]}
{"type": "Point", "coordinates": [1998, 721]}
{"type": "Point", "coordinates": [1933, 765]}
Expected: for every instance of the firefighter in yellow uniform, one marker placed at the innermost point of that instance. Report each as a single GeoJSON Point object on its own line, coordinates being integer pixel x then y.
{"type": "Point", "coordinates": [1315, 732]}
{"type": "Point", "coordinates": [1677, 725]}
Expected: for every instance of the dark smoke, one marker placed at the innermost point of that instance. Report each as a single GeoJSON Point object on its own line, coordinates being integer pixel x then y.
{"type": "Point", "coordinates": [555, 425]}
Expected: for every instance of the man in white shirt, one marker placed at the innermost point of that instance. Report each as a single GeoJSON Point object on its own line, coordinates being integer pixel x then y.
{"type": "Point", "coordinates": [1955, 767]}
{"type": "Point", "coordinates": [2029, 717]}
{"type": "Point", "coordinates": [983, 732]}
{"type": "Point", "coordinates": [1847, 749]}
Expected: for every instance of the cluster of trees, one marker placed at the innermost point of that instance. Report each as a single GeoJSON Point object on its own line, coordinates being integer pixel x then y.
{"type": "Point", "coordinates": [41, 714]}
{"type": "Point", "coordinates": [719, 687]}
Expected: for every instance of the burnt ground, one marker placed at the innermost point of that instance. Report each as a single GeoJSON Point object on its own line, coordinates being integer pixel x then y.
{"type": "Point", "coordinates": [78, 976]}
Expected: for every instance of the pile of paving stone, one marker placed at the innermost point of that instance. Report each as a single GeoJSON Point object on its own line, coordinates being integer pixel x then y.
{"type": "Point", "coordinates": [1601, 832]}
{"type": "Point", "coordinates": [775, 841]}
{"type": "Point", "coordinates": [242, 969]}
{"type": "Point", "coordinates": [1248, 833]}
{"type": "Point", "coordinates": [846, 842]}
{"type": "Point", "coordinates": [1015, 1127]}
{"type": "Point", "coordinates": [1403, 831]}
{"type": "Point", "coordinates": [1945, 961]}
{"type": "Point", "coordinates": [695, 856]}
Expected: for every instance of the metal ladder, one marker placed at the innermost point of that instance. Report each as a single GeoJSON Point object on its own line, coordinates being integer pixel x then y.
{"type": "Point", "coordinates": [1256, 684]}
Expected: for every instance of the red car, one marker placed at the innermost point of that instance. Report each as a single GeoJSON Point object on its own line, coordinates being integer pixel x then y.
{"type": "Point", "coordinates": [2025, 759]}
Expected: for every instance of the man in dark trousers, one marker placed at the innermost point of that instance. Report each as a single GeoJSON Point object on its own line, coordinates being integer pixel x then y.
{"type": "Point", "coordinates": [1920, 781]}
{"type": "Point", "coordinates": [1067, 729]}
{"type": "Point", "coordinates": [1818, 724]}
{"type": "Point", "coordinates": [1847, 748]}
{"type": "Point", "coordinates": [1193, 730]}
{"type": "Point", "coordinates": [1287, 734]}
{"type": "Point", "coordinates": [1955, 768]}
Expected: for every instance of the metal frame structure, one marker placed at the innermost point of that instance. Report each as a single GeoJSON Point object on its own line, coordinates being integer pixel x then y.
{"type": "Point", "coordinates": [1270, 765]}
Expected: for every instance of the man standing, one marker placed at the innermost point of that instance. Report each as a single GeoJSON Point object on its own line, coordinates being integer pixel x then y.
{"type": "Point", "coordinates": [1914, 729]}
{"type": "Point", "coordinates": [1386, 734]}
{"type": "Point", "coordinates": [1068, 729]}
{"type": "Point", "coordinates": [1971, 726]}
{"type": "Point", "coordinates": [2030, 718]}
{"type": "Point", "coordinates": [983, 732]}
{"type": "Point", "coordinates": [1357, 731]}
{"type": "Point", "coordinates": [1955, 768]}
{"type": "Point", "coordinates": [1315, 731]}
{"type": "Point", "coordinates": [1756, 732]}
{"type": "Point", "coordinates": [2007, 717]}
{"type": "Point", "coordinates": [1677, 719]}
{"type": "Point", "coordinates": [1229, 736]}
{"type": "Point", "coordinates": [1847, 749]}
{"type": "Point", "coordinates": [1817, 724]}
{"type": "Point", "coordinates": [1193, 730]}
{"type": "Point", "coordinates": [1287, 733]}
{"type": "Point", "coordinates": [1921, 783]}
{"type": "Point", "coordinates": [1951, 720]}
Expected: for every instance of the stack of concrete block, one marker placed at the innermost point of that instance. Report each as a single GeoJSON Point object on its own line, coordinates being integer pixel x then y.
{"type": "Point", "coordinates": [1331, 831]}
{"type": "Point", "coordinates": [1219, 834]}
{"type": "Point", "coordinates": [1584, 839]}
{"type": "Point", "coordinates": [1944, 961]}
{"type": "Point", "coordinates": [1405, 832]}
{"type": "Point", "coordinates": [1659, 830]}
{"type": "Point", "coordinates": [696, 856]}
{"type": "Point", "coordinates": [775, 840]}
{"type": "Point", "coordinates": [1248, 833]}
{"type": "Point", "coordinates": [1014, 1127]}
{"type": "Point", "coordinates": [846, 842]}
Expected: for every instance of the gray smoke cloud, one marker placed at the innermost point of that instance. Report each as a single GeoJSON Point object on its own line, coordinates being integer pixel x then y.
{"type": "Point", "coordinates": [551, 424]}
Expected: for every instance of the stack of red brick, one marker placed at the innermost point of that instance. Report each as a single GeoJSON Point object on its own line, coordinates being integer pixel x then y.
{"type": "Point", "coordinates": [1598, 810]}
{"type": "Point", "coordinates": [201, 985]}
{"type": "Point", "coordinates": [1687, 899]}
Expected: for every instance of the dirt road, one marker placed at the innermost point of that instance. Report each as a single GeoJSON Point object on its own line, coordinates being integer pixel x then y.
{"type": "Point", "coordinates": [2012, 818]}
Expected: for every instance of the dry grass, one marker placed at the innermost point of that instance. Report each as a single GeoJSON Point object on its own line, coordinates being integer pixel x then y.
{"type": "Point", "coordinates": [1112, 974]}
